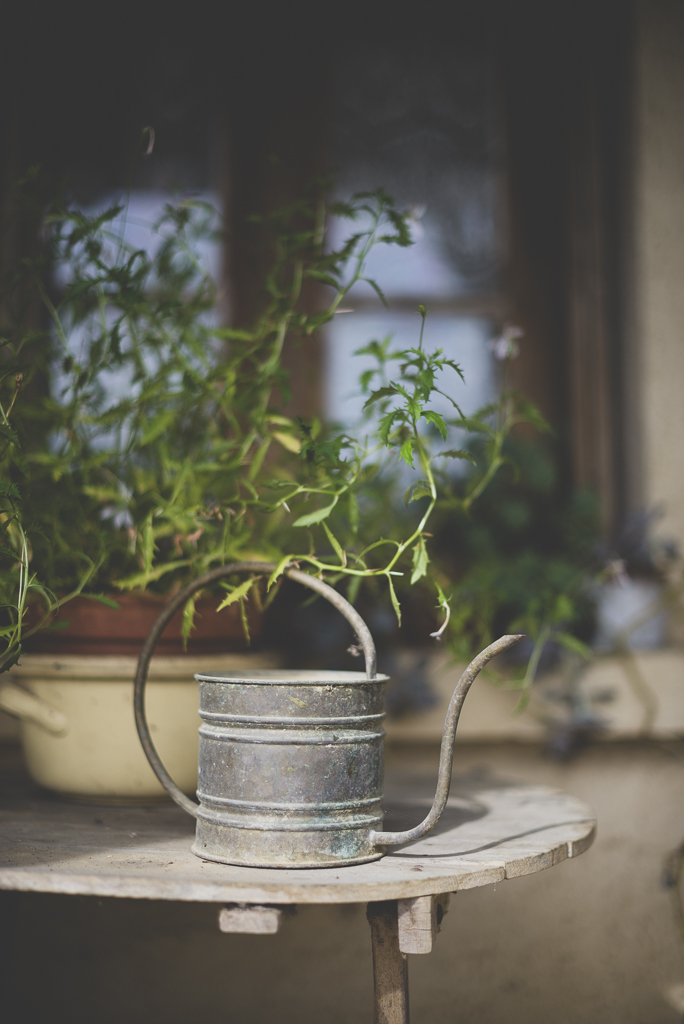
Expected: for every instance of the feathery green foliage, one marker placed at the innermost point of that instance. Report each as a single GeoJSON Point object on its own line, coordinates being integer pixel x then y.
{"type": "Point", "coordinates": [160, 448]}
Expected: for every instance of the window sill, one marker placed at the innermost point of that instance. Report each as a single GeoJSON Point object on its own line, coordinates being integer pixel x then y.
{"type": "Point", "coordinates": [605, 692]}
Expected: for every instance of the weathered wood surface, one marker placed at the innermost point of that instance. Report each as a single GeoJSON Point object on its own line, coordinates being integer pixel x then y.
{"type": "Point", "coordinates": [487, 834]}
{"type": "Point", "coordinates": [420, 919]}
{"type": "Point", "coordinates": [390, 966]}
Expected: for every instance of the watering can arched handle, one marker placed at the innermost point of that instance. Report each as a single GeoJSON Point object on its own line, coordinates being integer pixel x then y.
{"type": "Point", "coordinates": [176, 602]}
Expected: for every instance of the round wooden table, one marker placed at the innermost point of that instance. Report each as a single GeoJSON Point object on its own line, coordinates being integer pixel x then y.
{"type": "Point", "coordinates": [489, 832]}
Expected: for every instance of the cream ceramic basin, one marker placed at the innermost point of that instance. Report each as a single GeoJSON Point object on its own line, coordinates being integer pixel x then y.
{"type": "Point", "coordinates": [78, 729]}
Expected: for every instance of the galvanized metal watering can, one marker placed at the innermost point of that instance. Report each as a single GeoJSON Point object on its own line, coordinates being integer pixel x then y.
{"type": "Point", "coordinates": [291, 763]}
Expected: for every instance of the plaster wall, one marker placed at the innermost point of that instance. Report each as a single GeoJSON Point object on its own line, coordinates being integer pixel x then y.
{"type": "Point", "coordinates": [654, 407]}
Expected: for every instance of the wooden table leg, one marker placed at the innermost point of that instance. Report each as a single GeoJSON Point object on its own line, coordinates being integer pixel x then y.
{"type": "Point", "coordinates": [390, 965]}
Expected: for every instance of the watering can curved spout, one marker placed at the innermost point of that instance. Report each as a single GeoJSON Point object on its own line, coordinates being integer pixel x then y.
{"type": "Point", "coordinates": [263, 804]}
{"type": "Point", "coordinates": [446, 753]}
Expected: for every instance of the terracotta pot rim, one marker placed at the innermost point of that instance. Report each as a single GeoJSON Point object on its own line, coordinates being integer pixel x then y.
{"type": "Point", "coordinates": [94, 628]}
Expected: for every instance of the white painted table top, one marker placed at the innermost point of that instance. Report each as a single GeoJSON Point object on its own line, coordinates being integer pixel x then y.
{"type": "Point", "coordinates": [488, 832]}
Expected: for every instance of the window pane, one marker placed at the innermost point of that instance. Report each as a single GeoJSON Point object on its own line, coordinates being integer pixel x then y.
{"type": "Point", "coordinates": [421, 121]}
{"type": "Point", "coordinates": [419, 118]}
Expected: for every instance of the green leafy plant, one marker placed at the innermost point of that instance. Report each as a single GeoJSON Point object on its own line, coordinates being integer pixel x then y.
{"type": "Point", "coordinates": [18, 584]}
{"type": "Point", "coordinates": [161, 447]}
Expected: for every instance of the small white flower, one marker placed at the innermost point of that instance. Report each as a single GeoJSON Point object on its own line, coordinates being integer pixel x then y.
{"type": "Point", "coordinates": [414, 216]}
{"type": "Point", "coordinates": [506, 346]}
{"type": "Point", "coordinates": [617, 570]}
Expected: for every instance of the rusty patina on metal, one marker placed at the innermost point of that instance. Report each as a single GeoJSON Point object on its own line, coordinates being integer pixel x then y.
{"type": "Point", "coordinates": [290, 768]}
{"type": "Point", "coordinates": [291, 763]}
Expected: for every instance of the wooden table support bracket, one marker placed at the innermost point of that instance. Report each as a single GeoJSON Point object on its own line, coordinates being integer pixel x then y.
{"type": "Point", "coordinates": [400, 927]}
{"type": "Point", "coordinates": [248, 919]}
{"type": "Point", "coordinates": [420, 920]}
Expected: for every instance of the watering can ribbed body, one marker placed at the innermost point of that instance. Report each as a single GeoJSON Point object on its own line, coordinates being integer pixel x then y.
{"type": "Point", "coordinates": [290, 768]}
